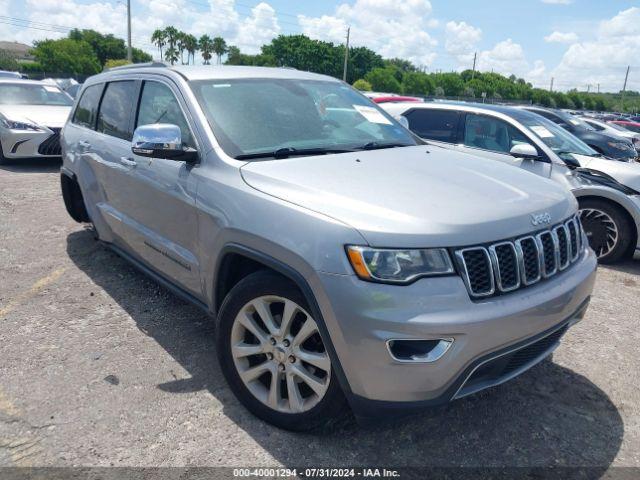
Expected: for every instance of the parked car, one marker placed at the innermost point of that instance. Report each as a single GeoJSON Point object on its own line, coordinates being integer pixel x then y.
{"type": "Point", "coordinates": [607, 145]}
{"type": "Point", "coordinates": [614, 130]}
{"type": "Point", "coordinates": [31, 116]}
{"type": "Point", "coordinates": [345, 262]}
{"type": "Point", "coordinates": [607, 190]}
{"type": "Point", "coordinates": [628, 125]}
{"type": "Point", "coordinates": [7, 74]}
{"type": "Point", "coordinates": [396, 98]}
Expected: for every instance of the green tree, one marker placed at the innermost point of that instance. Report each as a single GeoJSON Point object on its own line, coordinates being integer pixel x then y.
{"type": "Point", "coordinates": [206, 47]}
{"type": "Point", "coordinates": [362, 85]}
{"type": "Point", "coordinates": [105, 46]}
{"type": "Point", "coordinates": [181, 45]}
{"type": "Point", "coordinates": [417, 83]}
{"type": "Point", "coordinates": [116, 63]}
{"type": "Point", "coordinates": [8, 62]}
{"type": "Point", "coordinates": [219, 48]}
{"type": "Point", "coordinates": [451, 83]}
{"type": "Point", "coordinates": [159, 39]}
{"type": "Point", "coordinates": [361, 61]}
{"type": "Point", "coordinates": [140, 56]}
{"type": "Point", "coordinates": [383, 80]}
{"type": "Point", "coordinates": [191, 45]}
{"type": "Point", "coordinates": [66, 56]}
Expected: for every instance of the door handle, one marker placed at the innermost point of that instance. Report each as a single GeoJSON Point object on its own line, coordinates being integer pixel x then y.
{"type": "Point", "coordinates": [84, 145]}
{"type": "Point", "coordinates": [130, 162]}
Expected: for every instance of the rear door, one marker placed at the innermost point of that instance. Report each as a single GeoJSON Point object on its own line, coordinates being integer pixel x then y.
{"type": "Point", "coordinates": [491, 137]}
{"type": "Point", "coordinates": [110, 150]}
{"type": "Point", "coordinates": [162, 207]}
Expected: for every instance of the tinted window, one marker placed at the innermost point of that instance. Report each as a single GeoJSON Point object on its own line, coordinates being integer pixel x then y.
{"type": "Point", "coordinates": [87, 109]}
{"type": "Point", "coordinates": [159, 105]}
{"type": "Point", "coordinates": [490, 133]}
{"type": "Point", "coordinates": [434, 124]}
{"type": "Point", "coordinates": [114, 117]}
{"type": "Point", "coordinates": [595, 126]}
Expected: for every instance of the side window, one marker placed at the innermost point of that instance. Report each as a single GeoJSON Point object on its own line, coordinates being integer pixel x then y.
{"type": "Point", "coordinates": [489, 133]}
{"type": "Point", "coordinates": [87, 109]}
{"type": "Point", "coordinates": [158, 104]}
{"type": "Point", "coordinates": [114, 117]}
{"type": "Point", "coordinates": [438, 125]}
{"type": "Point", "coordinates": [597, 127]}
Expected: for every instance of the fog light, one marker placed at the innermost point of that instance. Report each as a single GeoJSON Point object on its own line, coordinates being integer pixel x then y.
{"type": "Point", "coordinates": [418, 351]}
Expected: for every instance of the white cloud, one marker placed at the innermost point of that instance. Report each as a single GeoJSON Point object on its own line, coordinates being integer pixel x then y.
{"type": "Point", "coordinates": [461, 41]}
{"type": "Point", "coordinates": [603, 60]}
{"type": "Point", "coordinates": [561, 37]}
{"type": "Point", "coordinates": [506, 57]}
{"type": "Point", "coordinates": [389, 27]}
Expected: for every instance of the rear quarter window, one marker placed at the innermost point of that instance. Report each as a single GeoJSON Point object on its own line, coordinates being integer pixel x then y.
{"type": "Point", "coordinates": [440, 125]}
{"type": "Point", "coordinates": [87, 109]}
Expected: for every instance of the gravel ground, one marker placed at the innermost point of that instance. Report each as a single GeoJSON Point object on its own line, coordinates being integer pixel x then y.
{"type": "Point", "coordinates": [100, 366]}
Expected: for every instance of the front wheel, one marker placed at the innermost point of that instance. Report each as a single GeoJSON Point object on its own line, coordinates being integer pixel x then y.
{"type": "Point", "coordinates": [608, 229]}
{"type": "Point", "coordinates": [273, 356]}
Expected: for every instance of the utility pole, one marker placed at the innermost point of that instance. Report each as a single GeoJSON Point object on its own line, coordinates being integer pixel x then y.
{"type": "Point", "coordinates": [473, 73]}
{"type": "Point", "coordinates": [346, 57]}
{"type": "Point", "coordinates": [588, 88]}
{"type": "Point", "coordinates": [551, 86]}
{"type": "Point", "coordinates": [598, 88]}
{"type": "Point", "coordinates": [129, 49]}
{"type": "Point", "coordinates": [624, 88]}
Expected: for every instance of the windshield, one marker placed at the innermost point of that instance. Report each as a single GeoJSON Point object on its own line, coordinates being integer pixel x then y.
{"type": "Point", "coordinates": [555, 137]}
{"type": "Point", "coordinates": [254, 116]}
{"type": "Point", "coordinates": [32, 94]}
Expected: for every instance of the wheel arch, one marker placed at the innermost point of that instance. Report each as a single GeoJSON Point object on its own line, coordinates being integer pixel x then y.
{"type": "Point", "coordinates": [258, 260]}
{"type": "Point", "coordinates": [624, 209]}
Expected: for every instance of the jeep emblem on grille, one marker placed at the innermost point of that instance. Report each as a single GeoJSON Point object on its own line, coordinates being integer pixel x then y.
{"type": "Point", "coordinates": [541, 218]}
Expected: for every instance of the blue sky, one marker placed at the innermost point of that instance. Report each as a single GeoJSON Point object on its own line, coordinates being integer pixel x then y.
{"type": "Point", "coordinates": [577, 42]}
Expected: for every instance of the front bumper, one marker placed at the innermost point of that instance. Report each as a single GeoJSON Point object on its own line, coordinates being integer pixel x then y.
{"type": "Point", "coordinates": [361, 317]}
{"type": "Point", "coordinates": [30, 144]}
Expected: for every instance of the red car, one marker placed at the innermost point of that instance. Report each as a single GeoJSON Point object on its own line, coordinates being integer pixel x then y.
{"type": "Point", "coordinates": [631, 126]}
{"type": "Point", "coordinates": [396, 98]}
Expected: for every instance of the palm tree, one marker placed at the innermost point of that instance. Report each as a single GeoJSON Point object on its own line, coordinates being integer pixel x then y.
{"type": "Point", "coordinates": [172, 53]}
{"type": "Point", "coordinates": [191, 44]}
{"type": "Point", "coordinates": [182, 45]}
{"type": "Point", "coordinates": [159, 39]}
{"type": "Point", "coordinates": [206, 47]}
{"type": "Point", "coordinates": [219, 48]}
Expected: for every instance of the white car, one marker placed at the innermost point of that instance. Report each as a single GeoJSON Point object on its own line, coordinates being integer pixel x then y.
{"type": "Point", "coordinates": [613, 129]}
{"type": "Point", "coordinates": [608, 191]}
{"type": "Point", "coordinates": [31, 116]}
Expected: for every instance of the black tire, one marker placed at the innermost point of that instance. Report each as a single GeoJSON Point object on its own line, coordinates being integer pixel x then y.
{"type": "Point", "coordinates": [3, 160]}
{"type": "Point", "coordinates": [73, 200]}
{"type": "Point", "coordinates": [327, 412]}
{"type": "Point", "coordinates": [595, 226]}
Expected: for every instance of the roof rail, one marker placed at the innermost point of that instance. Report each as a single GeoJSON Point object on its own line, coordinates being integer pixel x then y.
{"type": "Point", "coordinates": [138, 65]}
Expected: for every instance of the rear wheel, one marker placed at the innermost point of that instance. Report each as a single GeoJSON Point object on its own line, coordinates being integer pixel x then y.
{"type": "Point", "coordinates": [273, 356]}
{"type": "Point", "coordinates": [608, 229]}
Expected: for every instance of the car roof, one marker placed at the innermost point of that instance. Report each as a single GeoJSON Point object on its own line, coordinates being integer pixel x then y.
{"type": "Point", "coordinates": [22, 81]}
{"type": "Point", "coordinates": [214, 72]}
{"type": "Point", "coordinates": [513, 112]}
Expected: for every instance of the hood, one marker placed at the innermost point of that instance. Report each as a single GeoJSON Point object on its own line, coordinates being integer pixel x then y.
{"type": "Point", "coordinates": [422, 196]}
{"type": "Point", "coordinates": [627, 173]}
{"type": "Point", "coordinates": [53, 116]}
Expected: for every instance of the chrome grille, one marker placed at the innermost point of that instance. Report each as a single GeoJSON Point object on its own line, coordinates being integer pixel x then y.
{"type": "Point", "coordinates": [507, 266]}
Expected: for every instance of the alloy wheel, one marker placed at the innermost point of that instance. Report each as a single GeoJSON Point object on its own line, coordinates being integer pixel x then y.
{"type": "Point", "coordinates": [601, 230]}
{"type": "Point", "coordinates": [279, 355]}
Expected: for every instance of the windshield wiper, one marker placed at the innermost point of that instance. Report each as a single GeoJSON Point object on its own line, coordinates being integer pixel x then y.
{"type": "Point", "coordinates": [286, 152]}
{"type": "Point", "coordinates": [377, 145]}
{"type": "Point", "coordinates": [564, 152]}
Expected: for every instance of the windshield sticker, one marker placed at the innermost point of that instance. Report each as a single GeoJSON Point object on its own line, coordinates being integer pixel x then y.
{"type": "Point", "coordinates": [372, 115]}
{"type": "Point", "coordinates": [575, 122]}
{"type": "Point", "coordinates": [221, 85]}
{"type": "Point", "coordinates": [51, 89]}
{"type": "Point", "coordinates": [542, 132]}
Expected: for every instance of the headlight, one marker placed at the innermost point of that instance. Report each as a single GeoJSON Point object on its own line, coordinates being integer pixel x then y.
{"type": "Point", "coordinates": [398, 266]}
{"type": "Point", "coordinates": [19, 125]}
{"type": "Point", "coordinates": [619, 145]}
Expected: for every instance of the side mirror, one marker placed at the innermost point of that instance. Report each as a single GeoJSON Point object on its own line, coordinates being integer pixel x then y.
{"type": "Point", "coordinates": [161, 140]}
{"type": "Point", "coordinates": [524, 150]}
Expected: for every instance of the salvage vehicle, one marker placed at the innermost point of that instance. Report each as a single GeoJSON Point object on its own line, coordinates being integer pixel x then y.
{"type": "Point", "coordinates": [31, 116]}
{"type": "Point", "coordinates": [347, 265]}
{"type": "Point", "coordinates": [607, 190]}
{"type": "Point", "coordinates": [607, 145]}
{"type": "Point", "coordinates": [611, 128]}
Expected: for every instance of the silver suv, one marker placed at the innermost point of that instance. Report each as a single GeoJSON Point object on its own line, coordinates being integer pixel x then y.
{"type": "Point", "coordinates": [348, 265]}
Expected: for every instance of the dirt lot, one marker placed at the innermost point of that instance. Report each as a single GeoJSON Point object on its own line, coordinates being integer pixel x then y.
{"type": "Point", "coordinates": [101, 366]}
